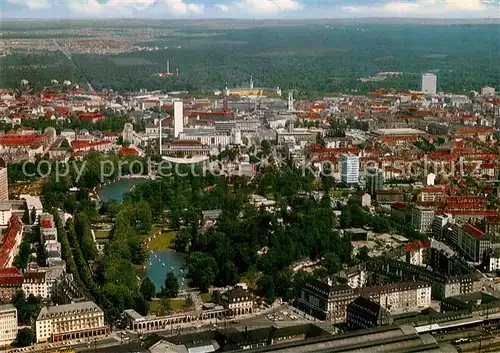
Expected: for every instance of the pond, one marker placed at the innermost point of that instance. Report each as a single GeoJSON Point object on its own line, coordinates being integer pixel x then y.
{"type": "Point", "coordinates": [162, 262]}
{"type": "Point", "coordinates": [116, 190]}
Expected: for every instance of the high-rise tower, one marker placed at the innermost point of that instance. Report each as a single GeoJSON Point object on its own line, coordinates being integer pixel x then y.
{"type": "Point", "coordinates": [178, 118]}
{"type": "Point", "coordinates": [290, 101]}
{"type": "Point", "coordinates": [429, 83]}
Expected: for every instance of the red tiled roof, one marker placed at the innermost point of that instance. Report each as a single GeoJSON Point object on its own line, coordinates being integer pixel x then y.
{"type": "Point", "coordinates": [318, 106]}
{"type": "Point", "coordinates": [185, 143]}
{"type": "Point", "coordinates": [210, 114]}
{"type": "Point", "coordinates": [485, 213]}
{"type": "Point", "coordinates": [91, 116]}
{"type": "Point", "coordinates": [477, 130]}
{"type": "Point", "coordinates": [206, 121]}
{"type": "Point", "coordinates": [433, 189]}
{"type": "Point", "coordinates": [201, 104]}
{"type": "Point", "coordinates": [474, 231]}
{"type": "Point", "coordinates": [20, 140]}
{"type": "Point", "coordinates": [417, 245]}
{"type": "Point", "coordinates": [9, 240]}
{"type": "Point", "coordinates": [81, 144]}
{"type": "Point", "coordinates": [129, 151]}
{"type": "Point", "coordinates": [46, 223]}
{"type": "Point", "coordinates": [399, 205]}
{"type": "Point", "coordinates": [10, 277]}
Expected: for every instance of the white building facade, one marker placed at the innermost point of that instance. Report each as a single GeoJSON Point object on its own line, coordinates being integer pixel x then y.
{"type": "Point", "coordinates": [178, 118]}
{"type": "Point", "coordinates": [349, 169]}
{"type": "Point", "coordinates": [422, 218]}
{"type": "Point", "coordinates": [35, 282]}
{"type": "Point", "coordinates": [402, 297]}
{"type": "Point", "coordinates": [8, 324]}
{"type": "Point", "coordinates": [63, 322]}
{"type": "Point", "coordinates": [429, 83]}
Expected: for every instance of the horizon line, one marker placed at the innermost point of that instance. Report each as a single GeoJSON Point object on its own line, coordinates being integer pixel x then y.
{"type": "Point", "coordinates": [496, 19]}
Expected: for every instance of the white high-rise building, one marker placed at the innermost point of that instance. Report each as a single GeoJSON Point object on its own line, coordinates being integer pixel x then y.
{"type": "Point", "coordinates": [429, 83]}
{"type": "Point", "coordinates": [8, 324]}
{"type": "Point", "coordinates": [4, 184]}
{"type": "Point", "coordinates": [349, 169]}
{"type": "Point", "coordinates": [178, 118]}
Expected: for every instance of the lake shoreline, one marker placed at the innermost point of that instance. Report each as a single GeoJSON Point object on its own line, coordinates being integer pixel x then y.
{"type": "Point", "coordinates": [116, 189]}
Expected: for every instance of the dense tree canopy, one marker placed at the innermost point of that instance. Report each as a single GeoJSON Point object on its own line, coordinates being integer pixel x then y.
{"type": "Point", "coordinates": [27, 308]}
{"type": "Point", "coordinates": [25, 337]}
{"type": "Point", "coordinates": [148, 289]}
{"type": "Point", "coordinates": [285, 57]}
{"type": "Point", "coordinates": [299, 228]}
{"type": "Point", "coordinates": [171, 287]}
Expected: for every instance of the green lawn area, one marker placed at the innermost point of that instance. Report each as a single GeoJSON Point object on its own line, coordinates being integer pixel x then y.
{"type": "Point", "coordinates": [206, 297]}
{"type": "Point", "coordinates": [140, 271]}
{"type": "Point", "coordinates": [162, 241]}
{"type": "Point", "coordinates": [101, 234]}
{"type": "Point", "coordinates": [175, 305]}
{"type": "Point", "coordinates": [339, 193]}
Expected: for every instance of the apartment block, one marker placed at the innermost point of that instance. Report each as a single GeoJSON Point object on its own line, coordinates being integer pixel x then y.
{"type": "Point", "coordinates": [11, 280]}
{"type": "Point", "coordinates": [326, 301]}
{"type": "Point", "coordinates": [494, 261]}
{"type": "Point", "coordinates": [400, 297]}
{"type": "Point", "coordinates": [349, 170]}
{"type": "Point", "coordinates": [422, 218]}
{"type": "Point", "coordinates": [472, 242]}
{"type": "Point", "coordinates": [363, 313]}
{"type": "Point", "coordinates": [442, 285]}
{"type": "Point", "coordinates": [8, 324]}
{"type": "Point", "coordinates": [35, 282]}
{"type": "Point", "coordinates": [399, 212]}
{"type": "Point", "coordinates": [374, 181]}
{"type": "Point", "coordinates": [10, 242]}
{"type": "Point", "coordinates": [431, 194]}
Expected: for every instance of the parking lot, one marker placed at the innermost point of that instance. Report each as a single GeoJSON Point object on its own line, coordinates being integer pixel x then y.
{"type": "Point", "coordinates": [283, 315]}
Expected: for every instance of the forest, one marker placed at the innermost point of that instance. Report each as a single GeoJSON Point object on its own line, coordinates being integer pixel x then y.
{"type": "Point", "coordinates": [312, 59]}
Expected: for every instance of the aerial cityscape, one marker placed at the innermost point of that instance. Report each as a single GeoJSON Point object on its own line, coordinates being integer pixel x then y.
{"type": "Point", "coordinates": [267, 185]}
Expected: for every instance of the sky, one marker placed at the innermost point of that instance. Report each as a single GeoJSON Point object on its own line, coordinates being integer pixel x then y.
{"type": "Point", "coordinates": [249, 9]}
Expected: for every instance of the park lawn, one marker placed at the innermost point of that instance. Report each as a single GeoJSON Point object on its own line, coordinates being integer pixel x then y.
{"type": "Point", "coordinates": [175, 305]}
{"type": "Point", "coordinates": [339, 193]}
{"type": "Point", "coordinates": [206, 297]}
{"type": "Point", "coordinates": [101, 234]}
{"type": "Point", "coordinates": [140, 271]}
{"type": "Point", "coordinates": [162, 241]}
